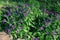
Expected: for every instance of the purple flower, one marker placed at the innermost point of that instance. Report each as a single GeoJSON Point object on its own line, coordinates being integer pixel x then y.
{"type": "Point", "coordinates": [35, 38]}
{"type": "Point", "coordinates": [12, 26]}
{"type": "Point", "coordinates": [41, 28]}
{"type": "Point", "coordinates": [47, 21]}
{"type": "Point", "coordinates": [51, 12]}
{"type": "Point", "coordinates": [55, 14]}
{"type": "Point", "coordinates": [9, 13]}
{"type": "Point", "coordinates": [8, 30]}
{"type": "Point", "coordinates": [25, 14]}
{"type": "Point", "coordinates": [47, 11]}
{"type": "Point", "coordinates": [4, 20]}
{"type": "Point", "coordinates": [54, 32]}
{"type": "Point", "coordinates": [26, 5]}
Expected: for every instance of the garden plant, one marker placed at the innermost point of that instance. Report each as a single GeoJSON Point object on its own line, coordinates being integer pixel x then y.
{"type": "Point", "coordinates": [30, 19]}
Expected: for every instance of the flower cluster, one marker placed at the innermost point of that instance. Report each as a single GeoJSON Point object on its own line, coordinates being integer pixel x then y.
{"type": "Point", "coordinates": [13, 17]}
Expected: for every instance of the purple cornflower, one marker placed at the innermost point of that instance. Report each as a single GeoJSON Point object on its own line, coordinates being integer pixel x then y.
{"type": "Point", "coordinates": [51, 12]}
{"type": "Point", "coordinates": [9, 13]}
{"type": "Point", "coordinates": [41, 28]}
{"type": "Point", "coordinates": [26, 5]}
{"type": "Point", "coordinates": [54, 13]}
{"type": "Point", "coordinates": [8, 30]}
{"type": "Point", "coordinates": [54, 32]}
{"type": "Point", "coordinates": [25, 14]}
{"type": "Point", "coordinates": [47, 11]}
{"type": "Point", "coordinates": [35, 38]}
{"type": "Point", "coordinates": [4, 20]}
{"type": "Point", "coordinates": [47, 21]}
{"type": "Point", "coordinates": [12, 26]}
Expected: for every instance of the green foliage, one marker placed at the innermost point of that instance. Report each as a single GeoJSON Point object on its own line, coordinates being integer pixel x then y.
{"type": "Point", "coordinates": [30, 19]}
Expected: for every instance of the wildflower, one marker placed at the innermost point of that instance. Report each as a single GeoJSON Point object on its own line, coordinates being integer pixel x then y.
{"type": "Point", "coordinates": [25, 14]}
{"type": "Point", "coordinates": [26, 4]}
{"type": "Point", "coordinates": [41, 28]}
{"type": "Point", "coordinates": [55, 14]}
{"type": "Point", "coordinates": [12, 26]}
{"type": "Point", "coordinates": [8, 30]}
{"type": "Point", "coordinates": [4, 20]}
{"type": "Point", "coordinates": [47, 21]}
{"type": "Point", "coordinates": [54, 32]}
{"type": "Point", "coordinates": [47, 11]}
{"type": "Point", "coordinates": [35, 38]}
{"type": "Point", "coordinates": [9, 13]}
{"type": "Point", "coordinates": [51, 12]}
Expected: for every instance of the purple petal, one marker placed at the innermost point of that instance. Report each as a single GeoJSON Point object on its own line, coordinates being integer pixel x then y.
{"type": "Point", "coordinates": [54, 32]}
{"type": "Point", "coordinates": [35, 38]}
{"type": "Point", "coordinates": [9, 13]}
{"type": "Point", "coordinates": [26, 5]}
{"type": "Point", "coordinates": [12, 26]}
{"type": "Point", "coordinates": [8, 30]}
{"type": "Point", "coordinates": [4, 20]}
{"type": "Point", "coordinates": [41, 28]}
{"type": "Point", "coordinates": [25, 14]}
{"type": "Point", "coordinates": [47, 11]}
